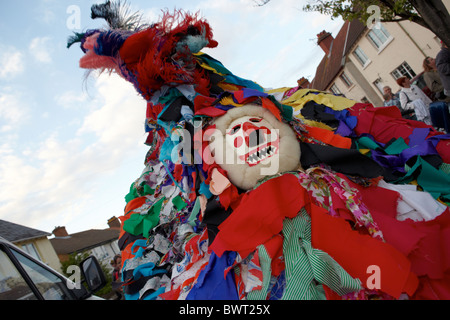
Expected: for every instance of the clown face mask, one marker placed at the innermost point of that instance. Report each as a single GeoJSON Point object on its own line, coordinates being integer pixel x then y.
{"type": "Point", "coordinates": [253, 140]}
{"type": "Point", "coordinates": [250, 144]}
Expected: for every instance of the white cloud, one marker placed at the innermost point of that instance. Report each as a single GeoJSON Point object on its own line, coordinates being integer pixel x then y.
{"type": "Point", "coordinates": [121, 116]}
{"type": "Point", "coordinates": [274, 44]}
{"type": "Point", "coordinates": [12, 110]}
{"type": "Point", "coordinates": [285, 11]}
{"type": "Point", "coordinates": [40, 49]}
{"type": "Point", "coordinates": [149, 16]}
{"type": "Point", "coordinates": [237, 7]}
{"type": "Point", "coordinates": [58, 181]}
{"type": "Point", "coordinates": [48, 16]}
{"type": "Point", "coordinates": [71, 99]}
{"type": "Point", "coordinates": [11, 62]}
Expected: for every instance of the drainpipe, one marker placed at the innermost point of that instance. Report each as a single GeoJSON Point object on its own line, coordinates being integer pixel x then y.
{"type": "Point", "coordinates": [413, 41]}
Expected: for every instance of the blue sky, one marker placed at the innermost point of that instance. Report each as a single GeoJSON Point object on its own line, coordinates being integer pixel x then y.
{"type": "Point", "coordinates": [71, 146]}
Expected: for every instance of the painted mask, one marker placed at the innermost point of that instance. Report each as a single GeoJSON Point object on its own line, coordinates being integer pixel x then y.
{"type": "Point", "coordinates": [250, 144]}
{"type": "Point", "coordinates": [252, 139]}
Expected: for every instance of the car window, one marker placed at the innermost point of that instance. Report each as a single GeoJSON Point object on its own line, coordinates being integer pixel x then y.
{"type": "Point", "coordinates": [49, 285]}
{"type": "Point", "coordinates": [12, 285]}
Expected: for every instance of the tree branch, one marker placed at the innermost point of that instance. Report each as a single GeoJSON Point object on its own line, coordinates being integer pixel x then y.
{"type": "Point", "coordinates": [394, 19]}
{"type": "Point", "coordinates": [388, 3]}
{"type": "Point", "coordinates": [414, 18]}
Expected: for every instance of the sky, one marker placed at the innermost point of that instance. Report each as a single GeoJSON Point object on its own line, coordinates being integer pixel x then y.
{"type": "Point", "coordinates": [71, 145]}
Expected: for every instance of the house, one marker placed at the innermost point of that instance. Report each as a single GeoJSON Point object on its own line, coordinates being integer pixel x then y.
{"type": "Point", "coordinates": [32, 241]}
{"type": "Point", "coordinates": [103, 244]}
{"type": "Point", "coordinates": [360, 61]}
{"type": "Point", "coordinates": [336, 73]}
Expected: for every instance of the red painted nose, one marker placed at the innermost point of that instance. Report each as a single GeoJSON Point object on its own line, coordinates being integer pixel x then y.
{"type": "Point", "coordinates": [254, 135]}
{"type": "Point", "coordinates": [248, 126]}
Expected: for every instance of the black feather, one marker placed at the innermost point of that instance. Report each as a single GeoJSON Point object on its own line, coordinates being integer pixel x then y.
{"type": "Point", "coordinates": [117, 15]}
{"type": "Point", "coordinates": [77, 37]}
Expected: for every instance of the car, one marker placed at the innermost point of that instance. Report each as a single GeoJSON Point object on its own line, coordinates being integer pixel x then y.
{"type": "Point", "coordinates": [23, 277]}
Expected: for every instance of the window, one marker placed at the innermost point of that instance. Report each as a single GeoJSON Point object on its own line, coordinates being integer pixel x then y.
{"type": "Point", "coordinates": [403, 70]}
{"type": "Point", "coordinates": [49, 285]}
{"type": "Point", "coordinates": [12, 285]}
{"type": "Point", "coordinates": [379, 36]}
{"type": "Point", "coordinates": [335, 89]}
{"type": "Point", "coordinates": [365, 100]}
{"type": "Point", "coordinates": [379, 85]}
{"type": "Point", "coordinates": [346, 79]}
{"type": "Point", "coordinates": [31, 250]}
{"type": "Point", "coordinates": [361, 56]}
{"type": "Point", "coordinates": [100, 253]}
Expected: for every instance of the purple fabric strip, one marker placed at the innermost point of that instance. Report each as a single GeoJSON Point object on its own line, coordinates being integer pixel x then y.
{"type": "Point", "coordinates": [418, 136]}
{"type": "Point", "coordinates": [343, 130]}
{"type": "Point", "coordinates": [388, 161]}
{"type": "Point", "coordinates": [253, 93]}
{"type": "Point", "coordinates": [427, 147]}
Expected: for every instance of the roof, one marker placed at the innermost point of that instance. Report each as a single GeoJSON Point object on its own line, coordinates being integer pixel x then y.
{"type": "Point", "coordinates": [84, 240]}
{"type": "Point", "coordinates": [15, 232]}
{"type": "Point", "coordinates": [332, 64]}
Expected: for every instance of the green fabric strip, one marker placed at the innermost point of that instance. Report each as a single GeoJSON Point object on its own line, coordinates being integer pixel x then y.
{"type": "Point", "coordinates": [366, 143]}
{"type": "Point", "coordinates": [435, 181]}
{"type": "Point", "coordinates": [142, 224]}
{"type": "Point", "coordinates": [308, 268]}
{"type": "Point", "coordinates": [396, 147]}
{"type": "Point", "coordinates": [265, 262]}
{"type": "Point", "coordinates": [179, 203]}
{"type": "Point", "coordinates": [194, 213]}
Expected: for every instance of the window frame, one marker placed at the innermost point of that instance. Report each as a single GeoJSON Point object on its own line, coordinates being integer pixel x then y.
{"type": "Point", "coordinates": [346, 79]}
{"type": "Point", "coordinates": [410, 73]}
{"type": "Point", "coordinates": [9, 251]}
{"type": "Point", "coordinates": [336, 88]}
{"type": "Point", "coordinates": [358, 52]}
{"type": "Point", "coordinates": [31, 249]}
{"type": "Point", "coordinates": [20, 284]}
{"type": "Point", "coordinates": [379, 84]}
{"type": "Point", "coordinates": [21, 270]}
{"type": "Point", "coordinates": [375, 36]}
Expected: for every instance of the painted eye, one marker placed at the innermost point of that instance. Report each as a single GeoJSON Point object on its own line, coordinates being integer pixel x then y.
{"type": "Point", "coordinates": [235, 129]}
{"type": "Point", "coordinates": [238, 142]}
{"type": "Point", "coordinates": [255, 120]}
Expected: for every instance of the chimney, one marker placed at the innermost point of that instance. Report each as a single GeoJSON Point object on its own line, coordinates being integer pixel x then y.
{"type": "Point", "coordinates": [114, 223]}
{"type": "Point", "coordinates": [325, 41]}
{"type": "Point", "coordinates": [60, 232]}
{"type": "Point", "coordinates": [303, 83]}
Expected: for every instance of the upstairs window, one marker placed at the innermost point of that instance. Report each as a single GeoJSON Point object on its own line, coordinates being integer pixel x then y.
{"type": "Point", "coordinates": [379, 36]}
{"type": "Point", "coordinates": [361, 56]}
{"type": "Point", "coordinates": [346, 79]}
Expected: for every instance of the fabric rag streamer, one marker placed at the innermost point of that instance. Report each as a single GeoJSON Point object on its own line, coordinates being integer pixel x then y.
{"type": "Point", "coordinates": [356, 209]}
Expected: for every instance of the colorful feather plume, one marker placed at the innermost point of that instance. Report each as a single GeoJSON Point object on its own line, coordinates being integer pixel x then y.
{"type": "Point", "coordinates": [118, 15]}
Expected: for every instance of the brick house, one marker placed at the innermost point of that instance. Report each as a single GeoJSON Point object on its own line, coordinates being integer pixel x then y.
{"type": "Point", "coordinates": [103, 244]}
